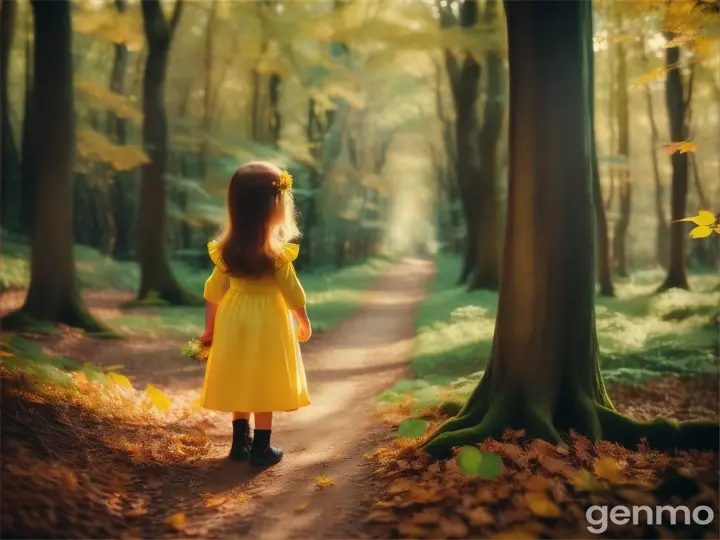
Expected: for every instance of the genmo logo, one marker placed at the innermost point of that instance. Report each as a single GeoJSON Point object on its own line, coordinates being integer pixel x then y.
{"type": "Point", "coordinates": [598, 517]}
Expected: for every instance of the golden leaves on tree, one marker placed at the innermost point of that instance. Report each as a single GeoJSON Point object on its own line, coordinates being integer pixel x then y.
{"type": "Point", "coordinates": [95, 147]}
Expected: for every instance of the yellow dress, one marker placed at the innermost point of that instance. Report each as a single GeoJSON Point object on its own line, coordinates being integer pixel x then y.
{"type": "Point", "coordinates": [255, 363]}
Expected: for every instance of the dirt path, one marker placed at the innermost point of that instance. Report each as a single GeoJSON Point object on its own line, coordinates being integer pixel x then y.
{"type": "Point", "coordinates": [345, 367]}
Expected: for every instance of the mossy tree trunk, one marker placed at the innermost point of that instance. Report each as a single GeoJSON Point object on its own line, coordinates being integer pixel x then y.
{"type": "Point", "coordinates": [544, 375]}
{"type": "Point", "coordinates": [156, 276]}
{"type": "Point", "coordinates": [28, 158]}
{"type": "Point", "coordinates": [53, 294]}
{"type": "Point", "coordinates": [675, 99]}
{"type": "Point", "coordinates": [485, 198]}
{"type": "Point", "coordinates": [9, 156]}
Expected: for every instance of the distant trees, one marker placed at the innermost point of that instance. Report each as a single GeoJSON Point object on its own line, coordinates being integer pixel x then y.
{"type": "Point", "coordinates": [53, 293]}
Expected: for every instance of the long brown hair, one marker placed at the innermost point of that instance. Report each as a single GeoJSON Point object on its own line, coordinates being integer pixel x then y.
{"type": "Point", "coordinates": [261, 218]}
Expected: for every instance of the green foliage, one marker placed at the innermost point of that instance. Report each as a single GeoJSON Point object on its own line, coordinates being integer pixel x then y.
{"type": "Point", "coordinates": [471, 460]}
{"type": "Point", "coordinates": [412, 428]}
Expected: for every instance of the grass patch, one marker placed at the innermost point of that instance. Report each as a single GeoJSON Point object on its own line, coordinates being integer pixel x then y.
{"type": "Point", "coordinates": [332, 293]}
{"type": "Point", "coordinates": [641, 334]}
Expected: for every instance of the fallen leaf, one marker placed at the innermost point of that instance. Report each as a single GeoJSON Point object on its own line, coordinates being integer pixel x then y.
{"type": "Point", "coordinates": [302, 507]}
{"type": "Point", "coordinates": [157, 397]}
{"type": "Point", "coordinates": [136, 512]}
{"type": "Point", "coordinates": [609, 469]}
{"type": "Point", "coordinates": [541, 505]}
{"type": "Point", "coordinates": [452, 527]}
{"type": "Point", "coordinates": [583, 480]}
{"type": "Point", "coordinates": [429, 516]}
{"type": "Point", "coordinates": [380, 516]}
{"type": "Point", "coordinates": [554, 465]}
{"type": "Point", "coordinates": [479, 516]}
{"type": "Point", "coordinates": [411, 530]}
{"type": "Point", "coordinates": [412, 428]}
{"type": "Point", "coordinates": [215, 501]}
{"type": "Point", "coordinates": [538, 483]}
{"type": "Point", "coordinates": [114, 367]}
{"type": "Point", "coordinates": [324, 481]}
{"type": "Point", "coordinates": [120, 380]}
{"type": "Point", "coordinates": [177, 522]}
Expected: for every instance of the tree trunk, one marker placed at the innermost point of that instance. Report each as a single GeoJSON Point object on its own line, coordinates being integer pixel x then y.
{"type": "Point", "coordinates": [122, 189]}
{"type": "Point", "coordinates": [661, 240]}
{"type": "Point", "coordinates": [625, 188]}
{"type": "Point", "coordinates": [603, 266]}
{"type": "Point", "coordinates": [275, 119]}
{"type": "Point", "coordinates": [9, 158]}
{"type": "Point", "coordinates": [28, 160]}
{"type": "Point", "coordinates": [544, 375]}
{"type": "Point", "coordinates": [675, 100]}
{"type": "Point", "coordinates": [53, 293]}
{"type": "Point", "coordinates": [487, 250]}
{"type": "Point", "coordinates": [464, 80]}
{"type": "Point", "coordinates": [156, 276]}
{"type": "Point", "coordinates": [206, 124]}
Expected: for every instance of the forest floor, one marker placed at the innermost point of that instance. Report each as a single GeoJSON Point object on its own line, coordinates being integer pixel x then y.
{"type": "Point", "coordinates": [80, 460]}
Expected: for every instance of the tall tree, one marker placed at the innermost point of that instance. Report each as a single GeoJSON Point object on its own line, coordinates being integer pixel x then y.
{"type": "Point", "coordinates": [123, 208]}
{"type": "Point", "coordinates": [623, 150]}
{"type": "Point", "coordinates": [544, 374]}
{"type": "Point", "coordinates": [485, 189]}
{"type": "Point", "coordinates": [676, 106]}
{"type": "Point", "coordinates": [661, 232]}
{"type": "Point", "coordinates": [156, 275]}
{"type": "Point", "coordinates": [28, 158]}
{"type": "Point", "coordinates": [53, 293]}
{"type": "Point", "coordinates": [9, 158]}
{"type": "Point", "coordinates": [464, 76]}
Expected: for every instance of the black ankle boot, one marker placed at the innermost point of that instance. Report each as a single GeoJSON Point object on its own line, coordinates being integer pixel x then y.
{"type": "Point", "coordinates": [241, 442]}
{"type": "Point", "coordinates": [261, 453]}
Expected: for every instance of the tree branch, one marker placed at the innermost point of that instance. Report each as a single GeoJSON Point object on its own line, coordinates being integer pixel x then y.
{"type": "Point", "coordinates": [177, 11]}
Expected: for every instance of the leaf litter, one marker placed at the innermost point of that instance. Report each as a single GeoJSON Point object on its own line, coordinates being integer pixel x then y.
{"type": "Point", "coordinates": [543, 491]}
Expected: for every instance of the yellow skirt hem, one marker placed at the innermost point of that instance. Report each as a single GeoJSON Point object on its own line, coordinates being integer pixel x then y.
{"type": "Point", "coordinates": [219, 408]}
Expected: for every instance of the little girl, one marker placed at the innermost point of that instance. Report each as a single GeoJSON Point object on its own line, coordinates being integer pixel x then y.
{"type": "Point", "coordinates": [255, 364]}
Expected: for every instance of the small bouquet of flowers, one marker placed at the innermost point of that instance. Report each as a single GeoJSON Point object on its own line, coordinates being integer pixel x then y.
{"type": "Point", "coordinates": [197, 350]}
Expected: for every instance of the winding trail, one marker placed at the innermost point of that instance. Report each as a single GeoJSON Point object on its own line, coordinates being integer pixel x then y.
{"type": "Point", "coordinates": [345, 368]}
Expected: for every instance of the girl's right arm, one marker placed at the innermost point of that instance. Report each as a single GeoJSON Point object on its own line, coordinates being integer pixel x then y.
{"type": "Point", "coordinates": [215, 288]}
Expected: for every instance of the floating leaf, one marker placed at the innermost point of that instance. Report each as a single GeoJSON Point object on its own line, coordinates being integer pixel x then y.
{"type": "Point", "coordinates": [177, 522]}
{"type": "Point", "coordinates": [160, 400]}
{"type": "Point", "coordinates": [610, 469]}
{"type": "Point", "coordinates": [472, 461]}
{"type": "Point", "coordinates": [412, 428]}
{"type": "Point", "coordinates": [114, 367]}
{"type": "Point", "coordinates": [704, 217]}
{"type": "Point", "coordinates": [120, 380]}
{"type": "Point", "coordinates": [541, 505]}
{"type": "Point", "coordinates": [703, 231]}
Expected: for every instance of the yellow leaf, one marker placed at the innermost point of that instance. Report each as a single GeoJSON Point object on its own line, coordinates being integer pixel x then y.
{"type": "Point", "coordinates": [703, 231]}
{"type": "Point", "coordinates": [538, 483]}
{"type": "Point", "coordinates": [215, 501]}
{"type": "Point", "coordinates": [704, 217]}
{"type": "Point", "coordinates": [177, 522]}
{"type": "Point", "coordinates": [120, 380]}
{"type": "Point", "coordinates": [541, 505]}
{"type": "Point", "coordinates": [609, 468]}
{"type": "Point", "coordinates": [650, 76]}
{"type": "Point", "coordinates": [381, 516]}
{"type": "Point", "coordinates": [6, 353]}
{"type": "Point", "coordinates": [302, 507]}
{"type": "Point", "coordinates": [528, 531]}
{"type": "Point", "coordinates": [324, 481]}
{"type": "Point", "coordinates": [637, 496]}
{"type": "Point", "coordinates": [687, 146]}
{"type": "Point", "coordinates": [160, 400]}
{"type": "Point", "coordinates": [717, 230]}
{"type": "Point", "coordinates": [583, 480]}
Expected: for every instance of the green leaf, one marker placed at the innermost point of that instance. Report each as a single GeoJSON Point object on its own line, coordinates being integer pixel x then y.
{"type": "Point", "coordinates": [412, 427]}
{"type": "Point", "coordinates": [472, 461]}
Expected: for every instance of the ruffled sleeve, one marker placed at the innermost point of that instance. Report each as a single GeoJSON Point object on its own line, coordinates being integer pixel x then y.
{"type": "Point", "coordinates": [287, 279]}
{"type": "Point", "coordinates": [217, 283]}
{"type": "Point", "coordinates": [216, 255]}
{"type": "Point", "coordinates": [288, 254]}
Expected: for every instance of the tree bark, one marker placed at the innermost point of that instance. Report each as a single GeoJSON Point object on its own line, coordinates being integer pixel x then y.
{"type": "Point", "coordinates": [206, 124]}
{"type": "Point", "coordinates": [53, 293]}
{"type": "Point", "coordinates": [544, 374]}
{"type": "Point", "coordinates": [625, 188]}
{"type": "Point", "coordinates": [156, 276]}
{"type": "Point", "coordinates": [9, 157]}
{"type": "Point", "coordinates": [487, 250]}
{"type": "Point", "coordinates": [675, 100]}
